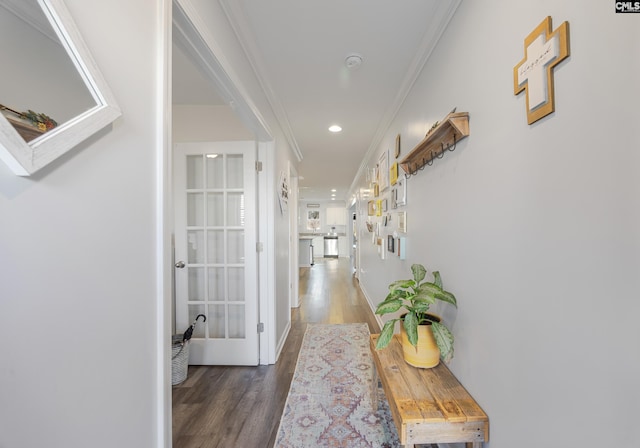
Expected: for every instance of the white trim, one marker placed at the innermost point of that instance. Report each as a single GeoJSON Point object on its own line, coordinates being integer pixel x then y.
{"type": "Point", "coordinates": [372, 306]}
{"type": "Point", "coordinates": [164, 220]}
{"type": "Point", "coordinates": [281, 344]}
{"type": "Point", "coordinates": [266, 264]}
{"type": "Point", "coordinates": [25, 158]}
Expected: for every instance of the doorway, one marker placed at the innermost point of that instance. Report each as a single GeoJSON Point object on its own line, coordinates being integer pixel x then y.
{"type": "Point", "coordinates": [237, 122]}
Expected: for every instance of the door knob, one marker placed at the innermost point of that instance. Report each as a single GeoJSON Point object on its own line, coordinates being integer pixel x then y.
{"type": "Point", "coordinates": [180, 264]}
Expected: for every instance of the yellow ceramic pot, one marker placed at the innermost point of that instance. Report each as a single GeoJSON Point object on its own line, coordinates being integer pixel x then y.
{"type": "Point", "coordinates": [426, 354]}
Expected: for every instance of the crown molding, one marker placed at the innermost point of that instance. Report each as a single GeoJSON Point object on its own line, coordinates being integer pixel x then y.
{"type": "Point", "coordinates": [247, 41]}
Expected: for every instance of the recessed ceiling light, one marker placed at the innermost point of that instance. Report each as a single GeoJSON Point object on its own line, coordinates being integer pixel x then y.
{"type": "Point", "coordinates": [335, 128]}
{"type": "Point", "coordinates": [333, 190]}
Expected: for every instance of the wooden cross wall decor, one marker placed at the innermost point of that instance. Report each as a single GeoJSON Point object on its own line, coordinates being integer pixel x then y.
{"type": "Point", "coordinates": [543, 50]}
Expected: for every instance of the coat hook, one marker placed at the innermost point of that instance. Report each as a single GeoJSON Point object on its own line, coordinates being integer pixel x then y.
{"type": "Point", "coordinates": [454, 144]}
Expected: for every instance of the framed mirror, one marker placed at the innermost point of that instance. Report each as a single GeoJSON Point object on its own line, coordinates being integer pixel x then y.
{"type": "Point", "coordinates": [52, 95]}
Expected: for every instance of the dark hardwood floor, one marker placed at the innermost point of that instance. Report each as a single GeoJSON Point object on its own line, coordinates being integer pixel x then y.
{"type": "Point", "coordinates": [240, 407]}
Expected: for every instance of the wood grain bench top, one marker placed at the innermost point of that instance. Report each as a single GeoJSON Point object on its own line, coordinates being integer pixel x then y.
{"type": "Point", "coordinates": [428, 405]}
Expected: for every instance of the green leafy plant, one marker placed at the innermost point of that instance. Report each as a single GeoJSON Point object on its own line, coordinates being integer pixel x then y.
{"type": "Point", "coordinates": [415, 296]}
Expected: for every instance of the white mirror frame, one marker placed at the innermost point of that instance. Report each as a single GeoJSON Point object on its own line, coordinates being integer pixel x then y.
{"type": "Point", "coordinates": [25, 158]}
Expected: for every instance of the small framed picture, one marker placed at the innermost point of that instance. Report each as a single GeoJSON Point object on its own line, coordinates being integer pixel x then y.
{"type": "Point", "coordinates": [391, 243]}
{"type": "Point", "coordinates": [402, 222]}
{"type": "Point", "coordinates": [399, 193]}
{"type": "Point", "coordinates": [401, 248]}
{"type": "Point", "coordinates": [383, 170]}
{"type": "Point", "coordinates": [397, 152]}
{"type": "Point", "coordinates": [371, 208]}
{"type": "Point", "coordinates": [313, 219]}
{"type": "Point", "coordinates": [393, 174]}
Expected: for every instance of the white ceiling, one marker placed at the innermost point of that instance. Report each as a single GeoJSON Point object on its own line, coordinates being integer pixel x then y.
{"type": "Point", "coordinates": [298, 49]}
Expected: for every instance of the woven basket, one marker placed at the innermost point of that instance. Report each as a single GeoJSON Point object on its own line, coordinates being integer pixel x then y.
{"type": "Point", "coordinates": [179, 360]}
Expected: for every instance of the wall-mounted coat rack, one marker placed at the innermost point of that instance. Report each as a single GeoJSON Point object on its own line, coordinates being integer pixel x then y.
{"type": "Point", "coordinates": [444, 137]}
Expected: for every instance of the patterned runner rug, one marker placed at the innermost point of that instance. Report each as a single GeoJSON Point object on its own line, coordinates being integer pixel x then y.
{"type": "Point", "coordinates": [330, 399]}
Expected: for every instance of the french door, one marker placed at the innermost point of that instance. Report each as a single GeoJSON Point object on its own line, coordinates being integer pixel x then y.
{"type": "Point", "coordinates": [215, 250]}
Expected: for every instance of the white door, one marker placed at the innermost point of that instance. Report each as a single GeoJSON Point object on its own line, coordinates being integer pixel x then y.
{"type": "Point", "coordinates": [215, 250]}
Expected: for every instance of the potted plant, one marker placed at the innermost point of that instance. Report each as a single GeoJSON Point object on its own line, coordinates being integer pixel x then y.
{"type": "Point", "coordinates": [415, 296]}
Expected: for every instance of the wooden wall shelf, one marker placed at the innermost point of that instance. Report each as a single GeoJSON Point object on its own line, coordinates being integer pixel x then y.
{"type": "Point", "coordinates": [453, 128]}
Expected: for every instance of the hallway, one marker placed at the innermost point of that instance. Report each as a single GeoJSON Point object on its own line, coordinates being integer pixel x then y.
{"type": "Point", "coordinates": [233, 407]}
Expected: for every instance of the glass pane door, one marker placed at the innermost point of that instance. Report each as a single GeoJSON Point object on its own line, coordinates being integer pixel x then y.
{"type": "Point", "coordinates": [215, 209]}
{"type": "Point", "coordinates": [215, 237]}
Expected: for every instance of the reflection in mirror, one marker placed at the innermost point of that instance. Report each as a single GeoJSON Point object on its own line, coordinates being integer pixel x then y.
{"type": "Point", "coordinates": [51, 94]}
{"type": "Point", "coordinates": [42, 87]}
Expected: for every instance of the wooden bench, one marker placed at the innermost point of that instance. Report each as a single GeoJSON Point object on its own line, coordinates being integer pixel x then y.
{"type": "Point", "coordinates": [428, 405]}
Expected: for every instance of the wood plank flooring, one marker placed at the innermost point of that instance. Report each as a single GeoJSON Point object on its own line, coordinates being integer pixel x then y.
{"type": "Point", "coordinates": [240, 407]}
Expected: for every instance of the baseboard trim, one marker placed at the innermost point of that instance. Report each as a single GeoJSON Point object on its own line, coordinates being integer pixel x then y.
{"type": "Point", "coordinates": [283, 339]}
{"type": "Point", "coordinates": [371, 305]}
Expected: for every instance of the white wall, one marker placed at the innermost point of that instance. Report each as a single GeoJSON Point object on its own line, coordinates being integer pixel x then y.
{"type": "Point", "coordinates": [198, 123]}
{"type": "Point", "coordinates": [78, 299]}
{"type": "Point", "coordinates": [536, 229]}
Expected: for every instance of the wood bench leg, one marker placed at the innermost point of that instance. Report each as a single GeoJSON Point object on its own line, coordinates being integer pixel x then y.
{"type": "Point", "coordinates": [474, 444]}
{"type": "Point", "coordinates": [374, 387]}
